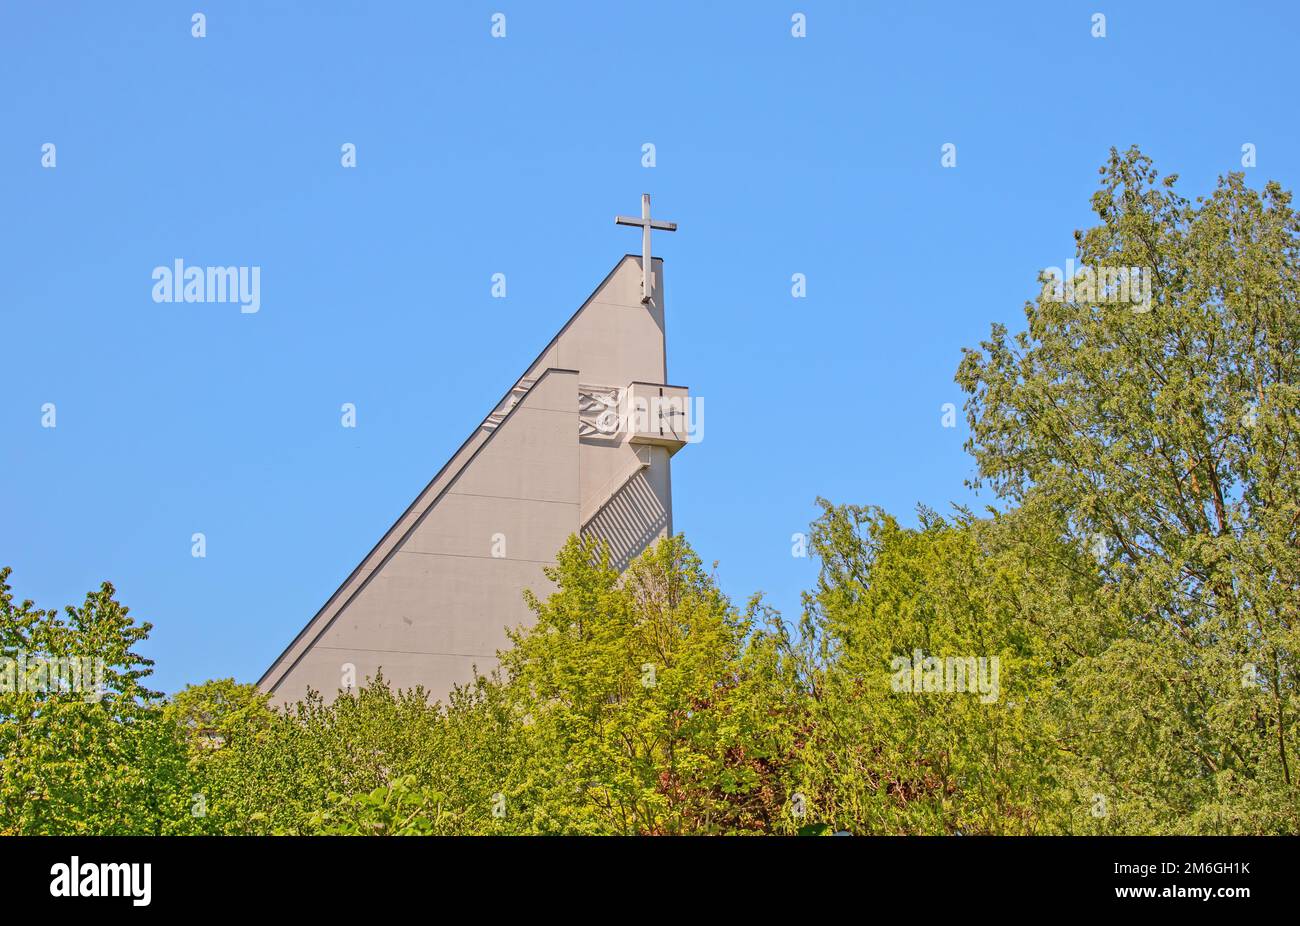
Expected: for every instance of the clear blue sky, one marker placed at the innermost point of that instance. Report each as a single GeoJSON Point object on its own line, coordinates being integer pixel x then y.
{"type": "Point", "coordinates": [476, 156]}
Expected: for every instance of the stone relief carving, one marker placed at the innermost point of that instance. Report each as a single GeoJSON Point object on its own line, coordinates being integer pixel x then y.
{"type": "Point", "coordinates": [598, 411]}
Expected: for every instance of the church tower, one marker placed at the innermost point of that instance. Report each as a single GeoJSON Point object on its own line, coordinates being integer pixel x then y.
{"type": "Point", "coordinates": [580, 443]}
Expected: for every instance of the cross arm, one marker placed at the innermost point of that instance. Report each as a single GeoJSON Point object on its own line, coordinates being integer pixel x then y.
{"type": "Point", "coordinates": [653, 223]}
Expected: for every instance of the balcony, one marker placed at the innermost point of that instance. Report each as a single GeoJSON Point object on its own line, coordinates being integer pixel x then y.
{"type": "Point", "coordinates": [657, 414]}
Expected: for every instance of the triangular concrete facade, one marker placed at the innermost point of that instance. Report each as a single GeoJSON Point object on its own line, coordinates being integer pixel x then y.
{"type": "Point", "coordinates": [563, 452]}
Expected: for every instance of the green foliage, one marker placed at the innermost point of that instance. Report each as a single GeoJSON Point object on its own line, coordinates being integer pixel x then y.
{"type": "Point", "coordinates": [271, 775]}
{"type": "Point", "coordinates": [638, 705]}
{"type": "Point", "coordinates": [1167, 439]}
{"type": "Point", "coordinates": [641, 703]}
{"type": "Point", "coordinates": [401, 808]}
{"type": "Point", "coordinates": [207, 715]}
{"type": "Point", "coordinates": [1112, 650]}
{"type": "Point", "coordinates": [885, 755]}
{"type": "Point", "coordinates": [94, 758]}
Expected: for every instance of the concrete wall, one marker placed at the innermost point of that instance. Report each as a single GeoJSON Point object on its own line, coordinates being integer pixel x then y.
{"type": "Point", "coordinates": [431, 602]}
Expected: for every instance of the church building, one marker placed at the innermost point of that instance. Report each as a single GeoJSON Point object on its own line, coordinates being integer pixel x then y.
{"type": "Point", "coordinates": [580, 444]}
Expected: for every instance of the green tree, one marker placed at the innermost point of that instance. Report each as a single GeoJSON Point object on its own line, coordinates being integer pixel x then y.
{"type": "Point", "coordinates": [1004, 608]}
{"type": "Point", "coordinates": [400, 808]}
{"type": "Point", "coordinates": [1166, 441]}
{"type": "Point", "coordinates": [273, 771]}
{"type": "Point", "coordinates": [640, 710]}
{"type": "Point", "coordinates": [93, 756]}
{"type": "Point", "coordinates": [636, 703]}
{"type": "Point", "coordinates": [207, 715]}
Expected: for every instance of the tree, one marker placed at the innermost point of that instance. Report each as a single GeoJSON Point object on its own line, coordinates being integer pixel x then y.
{"type": "Point", "coordinates": [1166, 442]}
{"type": "Point", "coordinates": [273, 771]}
{"type": "Point", "coordinates": [207, 715]}
{"type": "Point", "coordinates": [936, 673]}
{"type": "Point", "coordinates": [400, 808]}
{"type": "Point", "coordinates": [639, 708]}
{"type": "Point", "coordinates": [640, 703]}
{"type": "Point", "coordinates": [84, 748]}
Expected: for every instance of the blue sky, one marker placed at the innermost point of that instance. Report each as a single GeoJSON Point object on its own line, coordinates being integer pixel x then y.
{"type": "Point", "coordinates": [476, 156]}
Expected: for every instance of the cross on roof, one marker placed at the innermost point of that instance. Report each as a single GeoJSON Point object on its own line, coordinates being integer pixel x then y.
{"type": "Point", "coordinates": [646, 223]}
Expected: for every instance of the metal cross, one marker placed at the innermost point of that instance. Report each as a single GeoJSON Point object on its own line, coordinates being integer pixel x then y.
{"type": "Point", "coordinates": [646, 223]}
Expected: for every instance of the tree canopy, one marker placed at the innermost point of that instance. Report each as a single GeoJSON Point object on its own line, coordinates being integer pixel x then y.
{"type": "Point", "coordinates": [1109, 647]}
